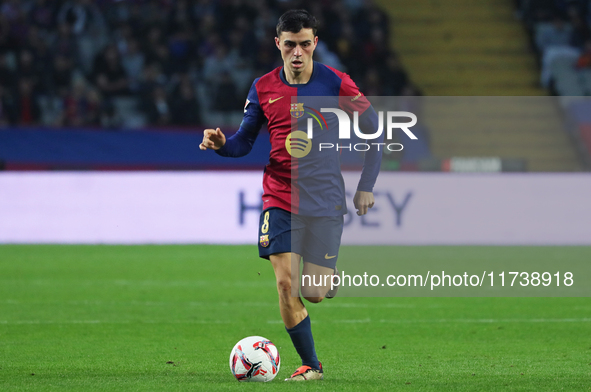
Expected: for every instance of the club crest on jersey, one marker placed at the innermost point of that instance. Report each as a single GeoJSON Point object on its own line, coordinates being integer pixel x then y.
{"type": "Point", "coordinates": [296, 110]}
{"type": "Point", "coordinates": [264, 240]}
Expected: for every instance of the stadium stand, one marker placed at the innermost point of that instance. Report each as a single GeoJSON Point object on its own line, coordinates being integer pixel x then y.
{"type": "Point", "coordinates": [560, 32]}
{"type": "Point", "coordinates": [162, 66]}
{"type": "Point", "coordinates": [468, 48]}
{"type": "Point", "coordinates": [144, 63]}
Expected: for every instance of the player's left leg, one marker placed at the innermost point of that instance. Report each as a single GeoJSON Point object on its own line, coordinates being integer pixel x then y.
{"type": "Point", "coordinates": [291, 307]}
{"type": "Point", "coordinates": [319, 245]}
{"type": "Point", "coordinates": [295, 316]}
{"type": "Point", "coordinates": [316, 281]}
{"type": "Point", "coordinates": [320, 251]}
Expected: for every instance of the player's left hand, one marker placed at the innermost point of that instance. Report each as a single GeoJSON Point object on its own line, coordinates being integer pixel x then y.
{"type": "Point", "coordinates": [363, 201]}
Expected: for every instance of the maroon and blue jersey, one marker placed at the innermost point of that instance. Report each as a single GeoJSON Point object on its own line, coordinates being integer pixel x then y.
{"type": "Point", "coordinates": [300, 177]}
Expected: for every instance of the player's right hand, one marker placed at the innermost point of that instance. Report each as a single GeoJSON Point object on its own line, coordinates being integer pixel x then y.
{"type": "Point", "coordinates": [212, 139]}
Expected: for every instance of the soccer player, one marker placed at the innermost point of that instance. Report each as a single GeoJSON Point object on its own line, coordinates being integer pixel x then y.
{"type": "Point", "coordinates": [303, 189]}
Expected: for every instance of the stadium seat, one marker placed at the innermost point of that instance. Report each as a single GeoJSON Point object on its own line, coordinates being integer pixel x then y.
{"type": "Point", "coordinates": [566, 79]}
{"type": "Point", "coordinates": [580, 111]}
{"type": "Point", "coordinates": [585, 77]}
{"type": "Point", "coordinates": [586, 135]}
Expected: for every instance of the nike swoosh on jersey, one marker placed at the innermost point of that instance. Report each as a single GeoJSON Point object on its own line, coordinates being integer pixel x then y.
{"type": "Point", "coordinates": [327, 257]}
{"type": "Point", "coordinates": [276, 99]}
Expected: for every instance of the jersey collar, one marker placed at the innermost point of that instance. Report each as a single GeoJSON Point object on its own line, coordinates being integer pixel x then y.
{"type": "Point", "coordinates": [314, 73]}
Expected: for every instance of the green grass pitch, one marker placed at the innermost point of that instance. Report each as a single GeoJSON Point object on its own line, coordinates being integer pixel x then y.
{"type": "Point", "coordinates": [164, 318]}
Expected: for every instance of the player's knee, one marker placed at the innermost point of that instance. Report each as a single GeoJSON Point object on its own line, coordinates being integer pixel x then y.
{"type": "Point", "coordinates": [314, 300]}
{"type": "Point", "coordinates": [288, 293]}
{"type": "Point", "coordinates": [284, 287]}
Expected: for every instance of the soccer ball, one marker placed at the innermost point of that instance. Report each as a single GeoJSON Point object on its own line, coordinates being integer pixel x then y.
{"type": "Point", "coordinates": [254, 359]}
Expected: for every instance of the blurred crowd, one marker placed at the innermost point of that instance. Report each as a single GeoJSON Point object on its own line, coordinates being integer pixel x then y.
{"type": "Point", "coordinates": [561, 34]}
{"type": "Point", "coordinates": [115, 63]}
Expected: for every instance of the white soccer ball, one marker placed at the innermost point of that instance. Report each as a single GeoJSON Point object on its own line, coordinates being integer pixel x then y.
{"type": "Point", "coordinates": [254, 359]}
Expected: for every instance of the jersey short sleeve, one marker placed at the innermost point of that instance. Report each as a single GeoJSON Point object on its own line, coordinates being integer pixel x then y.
{"type": "Point", "coordinates": [351, 99]}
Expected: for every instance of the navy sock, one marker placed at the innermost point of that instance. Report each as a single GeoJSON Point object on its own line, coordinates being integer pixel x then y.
{"type": "Point", "coordinates": [301, 336]}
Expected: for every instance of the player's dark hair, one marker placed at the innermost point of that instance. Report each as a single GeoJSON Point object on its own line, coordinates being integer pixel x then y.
{"type": "Point", "coordinates": [294, 20]}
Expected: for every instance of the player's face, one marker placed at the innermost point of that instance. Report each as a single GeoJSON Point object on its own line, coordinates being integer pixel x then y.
{"type": "Point", "coordinates": [297, 49]}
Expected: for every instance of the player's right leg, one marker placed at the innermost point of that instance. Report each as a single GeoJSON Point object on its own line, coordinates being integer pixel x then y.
{"type": "Point", "coordinates": [291, 306]}
{"type": "Point", "coordinates": [278, 239]}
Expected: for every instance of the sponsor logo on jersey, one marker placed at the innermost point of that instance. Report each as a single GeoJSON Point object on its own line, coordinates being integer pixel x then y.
{"type": "Point", "coordinates": [264, 240]}
{"type": "Point", "coordinates": [297, 144]}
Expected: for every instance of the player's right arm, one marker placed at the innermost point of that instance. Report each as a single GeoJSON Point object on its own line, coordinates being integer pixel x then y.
{"type": "Point", "coordinates": [242, 141]}
{"type": "Point", "coordinates": [213, 139]}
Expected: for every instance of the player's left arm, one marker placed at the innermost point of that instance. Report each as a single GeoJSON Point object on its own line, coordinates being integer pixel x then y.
{"type": "Point", "coordinates": [353, 100]}
{"type": "Point", "coordinates": [368, 123]}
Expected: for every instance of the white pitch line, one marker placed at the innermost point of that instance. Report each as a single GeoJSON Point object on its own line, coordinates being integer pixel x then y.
{"type": "Point", "coordinates": [358, 305]}
{"type": "Point", "coordinates": [44, 322]}
{"type": "Point", "coordinates": [140, 283]}
{"type": "Point", "coordinates": [203, 304]}
{"type": "Point", "coordinates": [362, 321]}
{"type": "Point", "coordinates": [451, 321]}
{"type": "Point", "coordinates": [278, 321]}
{"type": "Point", "coordinates": [139, 303]}
{"type": "Point", "coordinates": [488, 321]}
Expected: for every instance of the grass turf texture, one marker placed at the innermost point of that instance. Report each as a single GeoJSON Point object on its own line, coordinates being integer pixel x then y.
{"type": "Point", "coordinates": [155, 318]}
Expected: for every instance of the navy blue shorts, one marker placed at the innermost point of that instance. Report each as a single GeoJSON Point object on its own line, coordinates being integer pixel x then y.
{"type": "Point", "coordinates": [315, 238]}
